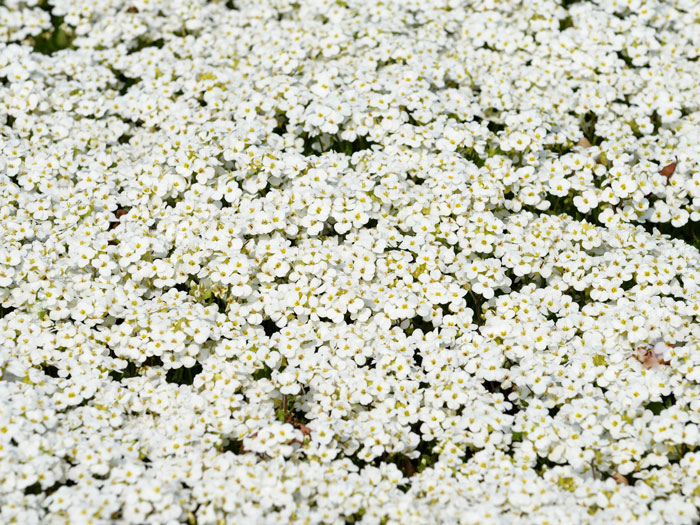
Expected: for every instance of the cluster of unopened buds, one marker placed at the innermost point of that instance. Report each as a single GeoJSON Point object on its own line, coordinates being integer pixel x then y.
{"type": "Point", "coordinates": [652, 356]}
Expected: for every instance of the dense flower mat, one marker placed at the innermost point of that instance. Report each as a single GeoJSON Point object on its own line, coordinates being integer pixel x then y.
{"type": "Point", "coordinates": [349, 261]}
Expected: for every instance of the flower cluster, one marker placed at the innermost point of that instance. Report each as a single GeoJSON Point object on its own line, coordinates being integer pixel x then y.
{"type": "Point", "coordinates": [349, 262]}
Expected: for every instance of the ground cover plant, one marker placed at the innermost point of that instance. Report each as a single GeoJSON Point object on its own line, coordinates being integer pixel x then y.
{"type": "Point", "coordinates": [347, 261]}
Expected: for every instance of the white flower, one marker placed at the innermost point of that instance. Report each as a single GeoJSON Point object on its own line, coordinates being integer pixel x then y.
{"type": "Point", "coordinates": [586, 201]}
{"type": "Point", "coordinates": [256, 268]}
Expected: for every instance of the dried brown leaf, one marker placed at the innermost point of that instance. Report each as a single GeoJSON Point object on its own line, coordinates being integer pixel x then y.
{"type": "Point", "coordinates": [669, 169]}
{"type": "Point", "coordinates": [584, 143]}
{"type": "Point", "coordinates": [119, 213]}
{"type": "Point", "coordinates": [646, 356]}
{"type": "Point", "coordinates": [620, 479]}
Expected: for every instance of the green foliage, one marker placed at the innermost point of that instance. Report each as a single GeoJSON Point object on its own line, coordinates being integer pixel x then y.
{"type": "Point", "coordinates": [233, 445]}
{"type": "Point", "coordinates": [659, 406]}
{"type": "Point", "coordinates": [182, 375]}
{"type": "Point", "coordinates": [48, 43]}
{"type": "Point", "coordinates": [33, 489]}
{"type": "Point", "coordinates": [265, 372]}
{"type": "Point", "coordinates": [588, 122]}
{"type": "Point", "coordinates": [130, 371]}
{"type": "Point", "coordinates": [568, 3]}
{"type": "Point", "coordinates": [476, 303]}
{"type": "Point", "coordinates": [318, 144]}
{"type": "Point", "coordinates": [689, 233]}
{"type": "Point", "coordinates": [143, 43]}
{"type": "Point", "coordinates": [4, 310]}
{"type": "Point", "coordinates": [50, 370]}
{"type": "Point", "coordinates": [59, 37]}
